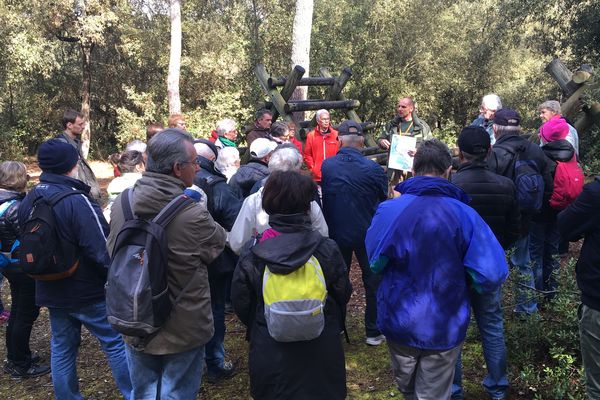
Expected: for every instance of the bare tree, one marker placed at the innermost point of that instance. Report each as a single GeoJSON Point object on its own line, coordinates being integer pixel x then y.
{"type": "Point", "coordinates": [301, 32]}
{"type": "Point", "coordinates": [174, 59]}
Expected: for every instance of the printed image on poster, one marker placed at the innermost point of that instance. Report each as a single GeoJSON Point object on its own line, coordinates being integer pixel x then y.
{"type": "Point", "coordinates": [399, 148]}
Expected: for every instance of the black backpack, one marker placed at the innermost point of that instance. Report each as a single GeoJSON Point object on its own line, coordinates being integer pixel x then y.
{"type": "Point", "coordinates": [529, 183]}
{"type": "Point", "coordinates": [137, 292]}
{"type": "Point", "coordinates": [43, 254]}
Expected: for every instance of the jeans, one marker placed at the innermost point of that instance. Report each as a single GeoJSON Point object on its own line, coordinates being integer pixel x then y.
{"type": "Point", "coordinates": [66, 337]}
{"type": "Point", "coordinates": [23, 314]}
{"type": "Point", "coordinates": [520, 259]}
{"type": "Point", "coordinates": [215, 348]}
{"type": "Point", "coordinates": [543, 248]}
{"type": "Point", "coordinates": [371, 283]}
{"type": "Point", "coordinates": [589, 340]}
{"type": "Point", "coordinates": [487, 308]}
{"type": "Point", "coordinates": [171, 376]}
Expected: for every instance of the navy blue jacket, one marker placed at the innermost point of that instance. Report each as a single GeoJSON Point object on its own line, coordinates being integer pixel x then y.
{"type": "Point", "coordinates": [353, 186]}
{"type": "Point", "coordinates": [80, 221]}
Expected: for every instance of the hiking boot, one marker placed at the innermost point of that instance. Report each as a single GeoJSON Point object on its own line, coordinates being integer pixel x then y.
{"type": "Point", "coordinates": [33, 371]}
{"type": "Point", "coordinates": [226, 372]}
{"type": "Point", "coordinates": [375, 340]}
{"type": "Point", "coordinates": [8, 367]}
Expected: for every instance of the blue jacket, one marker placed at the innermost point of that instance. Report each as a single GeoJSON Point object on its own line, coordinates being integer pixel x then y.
{"type": "Point", "coordinates": [431, 248]}
{"type": "Point", "coordinates": [80, 221]}
{"type": "Point", "coordinates": [353, 186]}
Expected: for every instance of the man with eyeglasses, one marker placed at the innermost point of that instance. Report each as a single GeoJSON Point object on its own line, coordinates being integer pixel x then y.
{"type": "Point", "coordinates": [489, 105]}
{"type": "Point", "coordinates": [321, 143]}
{"type": "Point", "coordinates": [171, 362]}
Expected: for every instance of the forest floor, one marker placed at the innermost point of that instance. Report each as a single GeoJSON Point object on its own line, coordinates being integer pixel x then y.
{"type": "Point", "coordinates": [369, 374]}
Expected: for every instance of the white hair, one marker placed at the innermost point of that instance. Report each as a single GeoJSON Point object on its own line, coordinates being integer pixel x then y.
{"type": "Point", "coordinates": [285, 159]}
{"type": "Point", "coordinates": [136, 145]}
{"type": "Point", "coordinates": [491, 102]}
{"type": "Point", "coordinates": [226, 161]}
{"type": "Point", "coordinates": [224, 126]}
{"type": "Point", "coordinates": [551, 105]}
{"type": "Point", "coordinates": [203, 150]}
{"type": "Point", "coordinates": [321, 112]}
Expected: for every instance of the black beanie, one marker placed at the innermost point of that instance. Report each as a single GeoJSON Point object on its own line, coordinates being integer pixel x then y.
{"type": "Point", "coordinates": [57, 156]}
{"type": "Point", "coordinates": [474, 140]}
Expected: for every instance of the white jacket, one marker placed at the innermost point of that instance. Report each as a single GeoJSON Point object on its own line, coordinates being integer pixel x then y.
{"type": "Point", "coordinates": [253, 219]}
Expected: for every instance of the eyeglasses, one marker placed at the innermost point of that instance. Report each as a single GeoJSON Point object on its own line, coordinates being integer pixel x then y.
{"type": "Point", "coordinates": [195, 163]}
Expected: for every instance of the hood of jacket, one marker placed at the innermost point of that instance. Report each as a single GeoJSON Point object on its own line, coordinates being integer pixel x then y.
{"type": "Point", "coordinates": [153, 191]}
{"type": "Point", "coordinates": [7, 195]}
{"type": "Point", "coordinates": [432, 186]}
{"type": "Point", "coordinates": [559, 150]}
{"type": "Point", "coordinates": [293, 247]}
{"type": "Point", "coordinates": [48, 177]}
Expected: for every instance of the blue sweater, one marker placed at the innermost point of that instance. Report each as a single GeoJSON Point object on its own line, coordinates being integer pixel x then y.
{"type": "Point", "coordinates": [80, 221]}
{"type": "Point", "coordinates": [431, 248]}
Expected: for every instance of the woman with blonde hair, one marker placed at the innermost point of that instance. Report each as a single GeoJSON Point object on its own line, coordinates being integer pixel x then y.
{"type": "Point", "coordinates": [20, 362]}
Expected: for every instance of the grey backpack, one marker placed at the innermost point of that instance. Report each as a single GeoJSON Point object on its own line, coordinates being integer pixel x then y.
{"type": "Point", "coordinates": [137, 293]}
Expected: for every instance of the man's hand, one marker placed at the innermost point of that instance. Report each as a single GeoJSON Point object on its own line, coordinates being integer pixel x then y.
{"type": "Point", "coordinates": [384, 144]}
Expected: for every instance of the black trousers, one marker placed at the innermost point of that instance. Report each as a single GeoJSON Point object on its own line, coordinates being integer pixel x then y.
{"type": "Point", "coordinates": [23, 314]}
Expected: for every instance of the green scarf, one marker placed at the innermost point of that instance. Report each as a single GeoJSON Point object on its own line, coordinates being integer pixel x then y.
{"type": "Point", "coordinates": [226, 142]}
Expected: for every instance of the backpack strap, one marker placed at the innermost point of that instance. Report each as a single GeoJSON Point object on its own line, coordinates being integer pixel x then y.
{"type": "Point", "coordinates": [126, 199]}
{"type": "Point", "coordinates": [55, 198]}
{"type": "Point", "coordinates": [169, 212]}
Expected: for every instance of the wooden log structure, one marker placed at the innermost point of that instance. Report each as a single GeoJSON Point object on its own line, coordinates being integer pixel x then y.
{"type": "Point", "coordinates": [563, 76]}
{"type": "Point", "coordinates": [305, 105]}
{"type": "Point", "coordinates": [309, 81]}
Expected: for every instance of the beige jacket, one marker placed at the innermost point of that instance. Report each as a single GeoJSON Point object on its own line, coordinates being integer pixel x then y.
{"type": "Point", "coordinates": [194, 241]}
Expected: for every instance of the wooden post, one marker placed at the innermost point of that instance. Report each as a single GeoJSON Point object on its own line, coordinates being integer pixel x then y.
{"type": "Point", "coordinates": [290, 85]}
{"type": "Point", "coordinates": [307, 81]}
{"type": "Point", "coordinates": [590, 117]}
{"type": "Point", "coordinates": [583, 74]}
{"type": "Point", "coordinates": [563, 76]}
{"type": "Point", "coordinates": [263, 78]}
{"type": "Point", "coordinates": [570, 107]}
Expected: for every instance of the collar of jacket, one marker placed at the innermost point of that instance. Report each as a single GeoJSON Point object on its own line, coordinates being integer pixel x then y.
{"type": "Point", "coordinates": [318, 131]}
{"type": "Point", "coordinates": [286, 223]}
{"type": "Point", "coordinates": [7, 195]}
{"type": "Point", "coordinates": [72, 141]}
{"type": "Point", "coordinates": [49, 177]}
{"type": "Point", "coordinates": [257, 161]}
{"type": "Point", "coordinates": [209, 166]}
{"type": "Point", "coordinates": [432, 186]}
{"type": "Point", "coordinates": [351, 151]}
{"type": "Point", "coordinates": [472, 165]}
{"type": "Point", "coordinates": [559, 150]}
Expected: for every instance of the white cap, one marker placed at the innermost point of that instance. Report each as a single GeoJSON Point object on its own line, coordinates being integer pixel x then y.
{"type": "Point", "coordinates": [262, 147]}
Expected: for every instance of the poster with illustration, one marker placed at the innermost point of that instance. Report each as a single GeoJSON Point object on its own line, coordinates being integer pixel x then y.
{"type": "Point", "coordinates": [399, 148]}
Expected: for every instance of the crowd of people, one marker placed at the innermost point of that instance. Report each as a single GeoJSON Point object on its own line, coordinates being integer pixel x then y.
{"type": "Point", "coordinates": [271, 234]}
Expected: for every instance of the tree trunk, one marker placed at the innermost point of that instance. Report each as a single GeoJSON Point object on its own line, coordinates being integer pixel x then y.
{"type": "Point", "coordinates": [301, 46]}
{"type": "Point", "coordinates": [175, 59]}
{"type": "Point", "coordinates": [86, 56]}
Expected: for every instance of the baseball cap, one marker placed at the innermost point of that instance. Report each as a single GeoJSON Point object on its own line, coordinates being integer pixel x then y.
{"type": "Point", "coordinates": [261, 147]}
{"type": "Point", "coordinates": [507, 117]}
{"type": "Point", "coordinates": [350, 127]}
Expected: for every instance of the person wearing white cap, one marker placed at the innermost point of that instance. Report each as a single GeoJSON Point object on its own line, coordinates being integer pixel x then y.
{"type": "Point", "coordinates": [256, 169]}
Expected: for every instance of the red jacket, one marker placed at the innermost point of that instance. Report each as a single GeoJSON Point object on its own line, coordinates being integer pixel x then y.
{"type": "Point", "coordinates": [317, 148]}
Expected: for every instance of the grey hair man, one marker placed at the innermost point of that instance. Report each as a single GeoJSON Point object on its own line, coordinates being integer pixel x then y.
{"type": "Point", "coordinates": [170, 364]}
{"type": "Point", "coordinates": [353, 186]}
{"type": "Point", "coordinates": [321, 143]}
{"type": "Point", "coordinates": [252, 219]}
{"type": "Point", "coordinates": [551, 109]}
{"type": "Point", "coordinates": [509, 147]}
{"type": "Point", "coordinates": [227, 133]}
{"type": "Point", "coordinates": [490, 103]}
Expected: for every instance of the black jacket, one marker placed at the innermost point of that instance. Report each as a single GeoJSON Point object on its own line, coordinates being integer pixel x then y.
{"type": "Point", "coordinates": [245, 177]}
{"type": "Point", "coordinates": [502, 161]}
{"type": "Point", "coordinates": [493, 197]}
{"type": "Point", "coordinates": [9, 223]}
{"type": "Point", "coordinates": [582, 219]}
{"type": "Point", "coordinates": [313, 369]}
{"type": "Point", "coordinates": [223, 205]}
